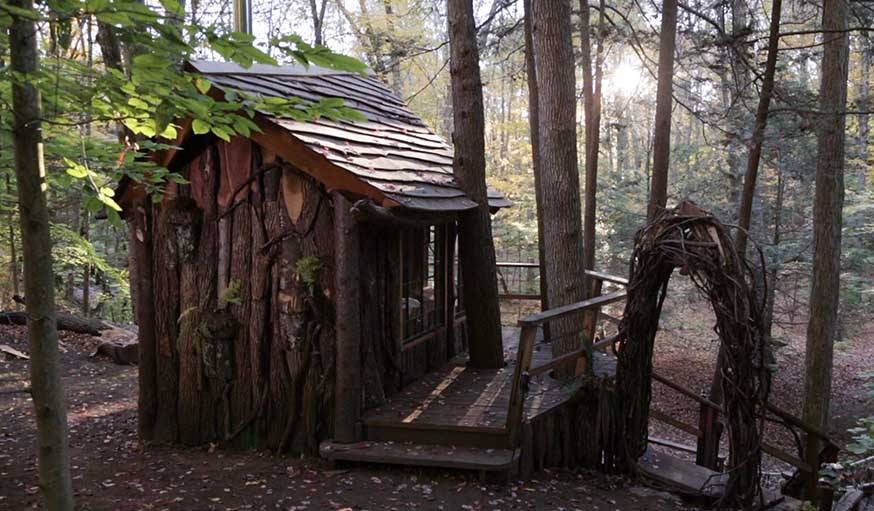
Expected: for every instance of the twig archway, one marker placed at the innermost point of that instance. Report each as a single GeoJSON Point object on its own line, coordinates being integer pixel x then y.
{"type": "Point", "coordinates": [693, 240]}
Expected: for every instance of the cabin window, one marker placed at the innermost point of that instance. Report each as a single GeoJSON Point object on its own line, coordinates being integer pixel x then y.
{"type": "Point", "coordinates": [423, 289]}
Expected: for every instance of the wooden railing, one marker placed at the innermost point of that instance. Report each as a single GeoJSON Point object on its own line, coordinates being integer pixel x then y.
{"type": "Point", "coordinates": [814, 449]}
{"type": "Point", "coordinates": [580, 358]}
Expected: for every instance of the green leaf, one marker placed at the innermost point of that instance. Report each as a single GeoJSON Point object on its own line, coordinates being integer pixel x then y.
{"type": "Point", "coordinates": [75, 169]}
{"type": "Point", "coordinates": [221, 133]}
{"type": "Point", "coordinates": [200, 127]}
{"type": "Point", "coordinates": [203, 85]}
{"type": "Point", "coordinates": [109, 202]}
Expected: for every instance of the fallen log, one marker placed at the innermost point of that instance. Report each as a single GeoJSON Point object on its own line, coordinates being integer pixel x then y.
{"type": "Point", "coordinates": [65, 321]}
{"type": "Point", "coordinates": [120, 345]}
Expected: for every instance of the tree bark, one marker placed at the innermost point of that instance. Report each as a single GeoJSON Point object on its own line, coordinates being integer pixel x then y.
{"type": "Point", "coordinates": [318, 16]}
{"type": "Point", "coordinates": [141, 248]}
{"type": "Point", "coordinates": [347, 400]}
{"type": "Point", "coordinates": [533, 119]}
{"type": "Point", "coordinates": [827, 215]}
{"type": "Point", "coordinates": [559, 176]}
{"type": "Point", "coordinates": [592, 110]}
{"type": "Point", "coordinates": [45, 364]}
{"type": "Point", "coordinates": [476, 245]}
{"type": "Point", "coordinates": [658, 196]}
{"type": "Point", "coordinates": [864, 119]}
{"type": "Point", "coordinates": [755, 154]}
{"type": "Point", "coordinates": [13, 250]}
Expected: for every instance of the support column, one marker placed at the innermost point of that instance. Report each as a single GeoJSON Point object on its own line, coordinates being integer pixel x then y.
{"type": "Point", "coordinates": [347, 398]}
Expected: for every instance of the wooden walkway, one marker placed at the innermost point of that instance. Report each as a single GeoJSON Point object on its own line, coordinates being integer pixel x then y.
{"type": "Point", "coordinates": [457, 398]}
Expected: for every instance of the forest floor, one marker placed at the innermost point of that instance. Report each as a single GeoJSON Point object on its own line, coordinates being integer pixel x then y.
{"type": "Point", "coordinates": [112, 472]}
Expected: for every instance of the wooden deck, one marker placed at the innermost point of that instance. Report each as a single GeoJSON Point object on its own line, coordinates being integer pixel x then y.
{"type": "Point", "coordinates": [460, 405]}
{"type": "Point", "coordinates": [456, 416]}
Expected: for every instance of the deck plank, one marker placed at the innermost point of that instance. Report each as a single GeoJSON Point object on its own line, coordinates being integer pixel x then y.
{"type": "Point", "coordinates": [683, 476]}
{"type": "Point", "coordinates": [423, 455]}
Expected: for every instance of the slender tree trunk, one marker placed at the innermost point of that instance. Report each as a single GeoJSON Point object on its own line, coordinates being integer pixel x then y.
{"type": "Point", "coordinates": [658, 195]}
{"type": "Point", "coordinates": [13, 250]}
{"type": "Point", "coordinates": [85, 232]}
{"type": "Point", "coordinates": [827, 215]}
{"type": "Point", "coordinates": [864, 105]}
{"type": "Point", "coordinates": [738, 80]}
{"type": "Point", "coordinates": [533, 119]}
{"type": "Point", "coordinates": [755, 154]}
{"type": "Point", "coordinates": [144, 301]}
{"type": "Point", "coordinates": [753, 161]}
{"type": "Point", "coordinates": [774, 268]}
{"type": "Point", "coordinates": [317, 11]}
{"type": "Point", "coordinates": [559, 176]}
{"type": "Point", "coordinates": [592, 110]}
{"type": "Point", "coordinates": [394, 52]}
{"type": "Point", "coordinates": [45, 364]}
{"type": "Point", "coordinates": [475, 243]}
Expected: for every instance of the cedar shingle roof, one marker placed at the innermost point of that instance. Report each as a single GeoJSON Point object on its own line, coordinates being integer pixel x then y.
{"type": "Point", "coordinates": [393, 150]}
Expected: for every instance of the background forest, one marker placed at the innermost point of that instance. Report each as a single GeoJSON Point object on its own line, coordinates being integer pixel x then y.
{"type": "Point", "coordinates": [719, 57]}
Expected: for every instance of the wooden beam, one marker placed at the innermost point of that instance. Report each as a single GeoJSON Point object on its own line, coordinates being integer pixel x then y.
{"type": "Point", "coordinates": [573, 308]}
{"type": "Point", "coordinates": [347, 400]}
{"type": "Point", "coordinates": [606, 277]}
{"type": "Point", "coordinates": [365, 210]}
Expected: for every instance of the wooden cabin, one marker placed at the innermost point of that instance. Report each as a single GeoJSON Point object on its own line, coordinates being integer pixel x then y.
{"type": "Point", "coordinates": [302, 274]}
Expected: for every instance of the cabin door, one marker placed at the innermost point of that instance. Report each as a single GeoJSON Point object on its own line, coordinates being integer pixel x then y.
{"type": "Point", "coordinates": [426, 291]}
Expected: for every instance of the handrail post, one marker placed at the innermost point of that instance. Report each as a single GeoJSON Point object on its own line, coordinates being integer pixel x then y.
{"type": "Point", "coordinates": [590, 325]}
{"type": "Point", "coordinates": [707, 452]}
{"type": "Point", "coordinates": [520, 382]}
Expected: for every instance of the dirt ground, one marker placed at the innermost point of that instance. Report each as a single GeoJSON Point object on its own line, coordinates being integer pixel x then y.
{"type": "Point", "coordinates": [112, 472]}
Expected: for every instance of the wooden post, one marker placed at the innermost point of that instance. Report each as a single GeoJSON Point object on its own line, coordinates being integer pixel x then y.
{"type": "Point", "coordinates": [590, 325]}
{"type": "Point", "coordinates": [516, 409]}
{"type": "Point", "coordinates": [707, 452]}
{"type": "Point", "coordinates": [347, 400]}
{"type": "Point", "coordinates": [145, 316]}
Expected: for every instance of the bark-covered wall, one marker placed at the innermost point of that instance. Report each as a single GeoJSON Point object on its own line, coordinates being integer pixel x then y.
{"type": "Point", "coordinates": [243, 277]}
{"type": "Point", "coordinates": [243, 314]}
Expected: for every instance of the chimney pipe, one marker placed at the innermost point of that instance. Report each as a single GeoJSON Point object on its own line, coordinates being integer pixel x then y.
{"type": "Point", "coordinates": [243, 16]}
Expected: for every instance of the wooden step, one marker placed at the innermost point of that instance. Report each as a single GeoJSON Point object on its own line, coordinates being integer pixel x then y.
{"type": "Point", "coordinates": [441, 434]}
{"type": "Point", "coordinates": [682, 476]}
{"type": "Point", "coordinates": [423, 455]}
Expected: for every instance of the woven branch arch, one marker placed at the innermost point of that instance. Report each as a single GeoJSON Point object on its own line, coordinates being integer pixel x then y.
{"type": "Point", "coordinates": [693, 240]}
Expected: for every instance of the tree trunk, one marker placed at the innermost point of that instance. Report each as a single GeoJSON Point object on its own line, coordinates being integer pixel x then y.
{"type": "Point", "coordinates": [827, 215]}
{"type": "Point", "coordinates": [45, 364]}
{"type": "Point", "coordinates": [864, 105]}
{"type": "Point", "coordinates": [13, 251]}
{"type": "Point", "coordinates": [737, 82]}
{"type": "Point", "coordinates": [141, 250]}
{"type": "Point", "coordinates": [347, 400]}
{"type": "Point", "coordinates": [658, 196]}
{"type": "Point", "coordinates": [774, 267]}
{"type": "Point", "coordinates": [592, 110]}
{"type": "Point", "coordinates": [85, 232]}
{"type": "Point", "coordinates": [318, 16]}
{"type": "Point", "coordinates": [755, 154]}
{"type": "Point", "coordinates": [475, 242]}
{"type": "Point", "coordinates": [559, 176]}
{"type": "Point", "coordinates": [533, 119]}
